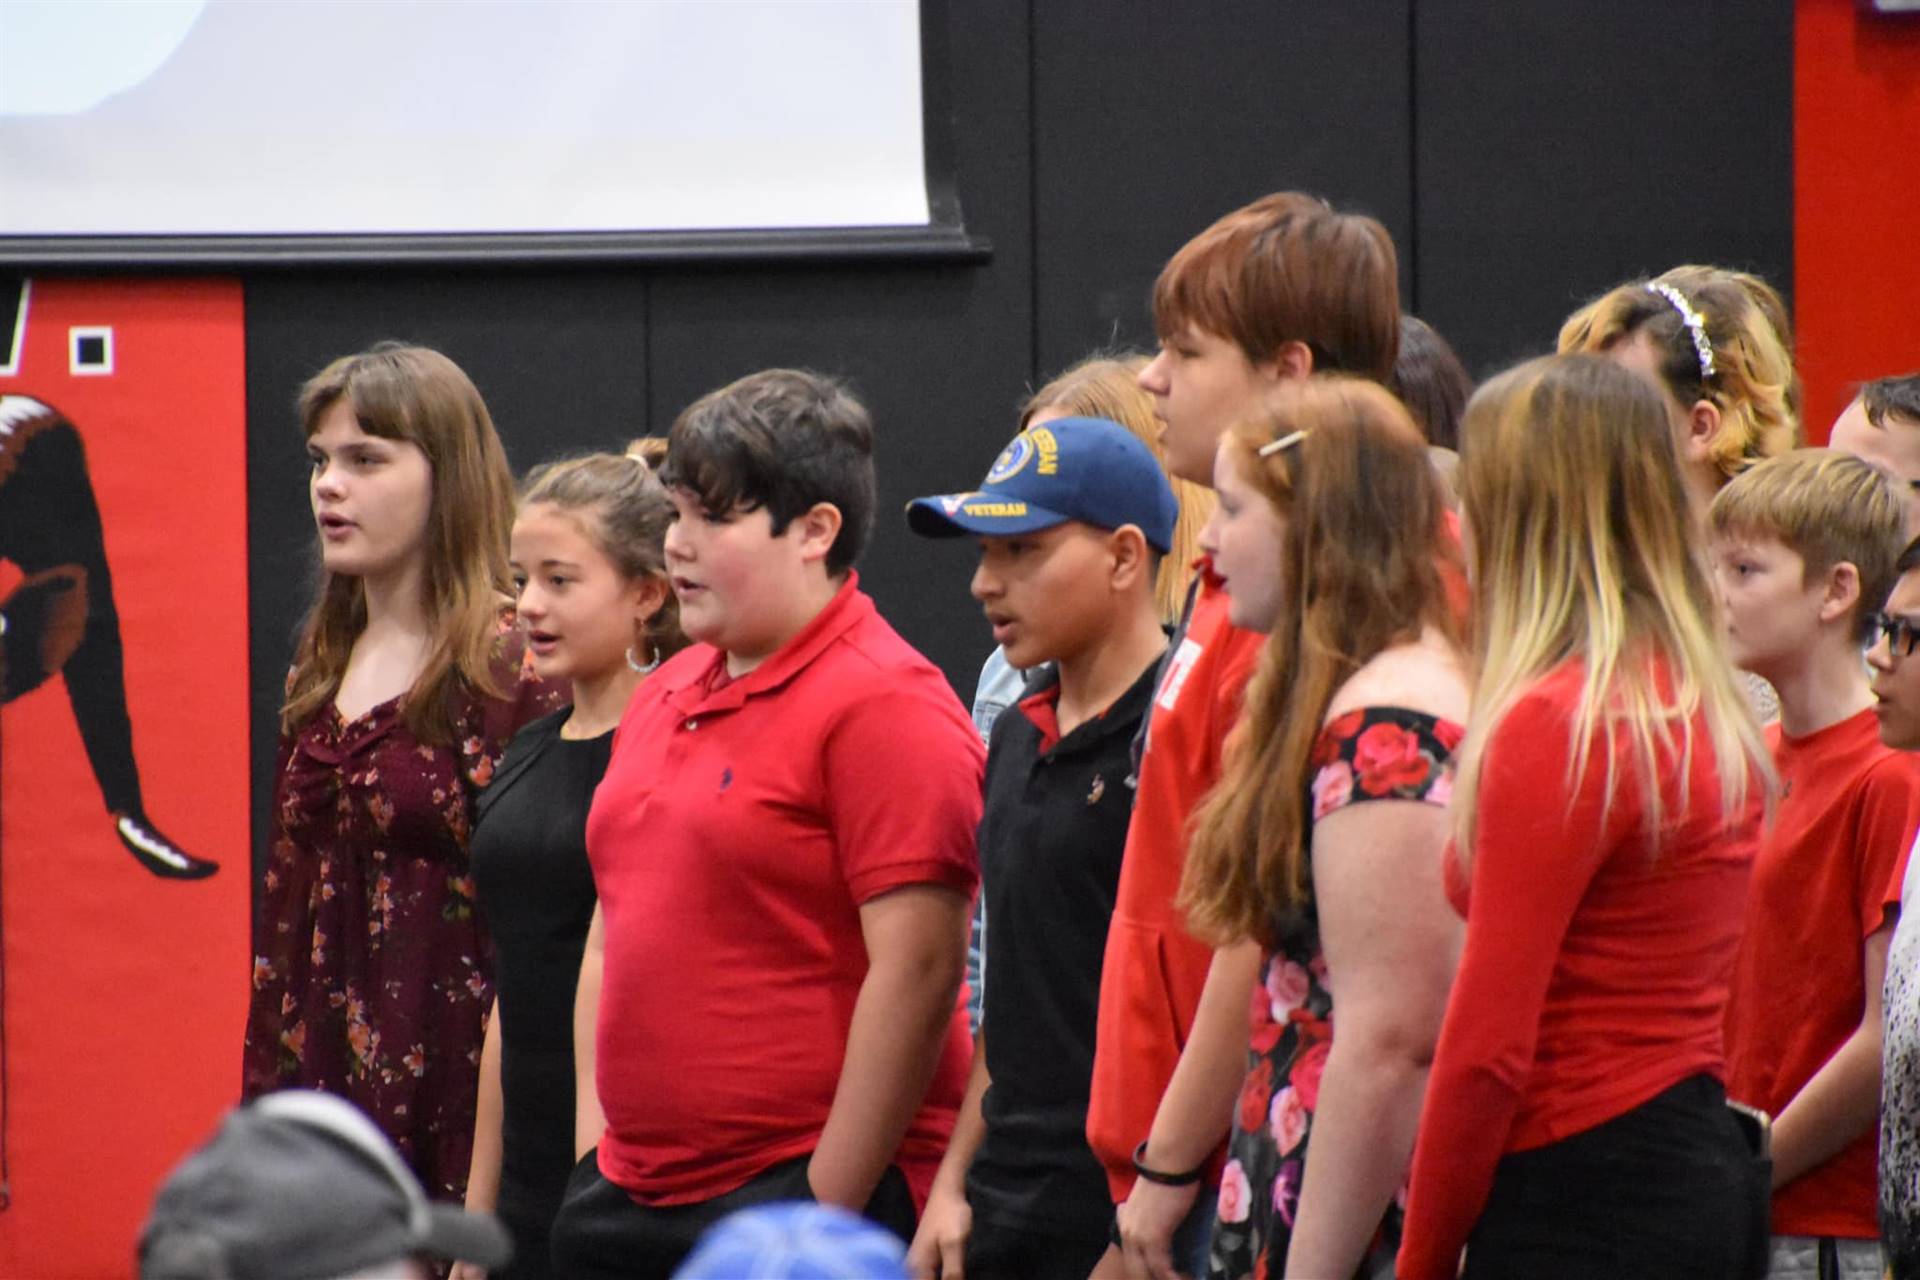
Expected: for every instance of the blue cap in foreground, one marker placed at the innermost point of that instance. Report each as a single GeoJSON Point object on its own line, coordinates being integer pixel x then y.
{"type": "Point", "coordinates": [795, 1241]}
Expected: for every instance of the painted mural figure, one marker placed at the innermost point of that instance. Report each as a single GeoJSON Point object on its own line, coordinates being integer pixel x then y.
{"type": "Point", "coordinates": [61, 619]}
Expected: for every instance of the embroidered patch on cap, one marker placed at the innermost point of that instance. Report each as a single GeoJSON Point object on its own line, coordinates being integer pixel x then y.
{"type": "Point", "coordinates": [1018, 453]}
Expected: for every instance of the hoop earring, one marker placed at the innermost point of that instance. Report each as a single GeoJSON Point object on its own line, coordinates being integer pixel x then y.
{"type": "Point", "coordinates": [636, 667]}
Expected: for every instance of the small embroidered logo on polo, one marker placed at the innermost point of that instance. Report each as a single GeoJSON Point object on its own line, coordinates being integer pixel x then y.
{"type": "Point", "coordinates": [1098, 789]}
{"type": "Point", "coordinates": [726, 777]}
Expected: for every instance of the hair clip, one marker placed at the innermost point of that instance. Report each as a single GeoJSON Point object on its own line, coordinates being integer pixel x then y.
{"type": "Point", "coordinates": [1695, 322]}
{"type": "Point", "coordinates": [1281, 445]}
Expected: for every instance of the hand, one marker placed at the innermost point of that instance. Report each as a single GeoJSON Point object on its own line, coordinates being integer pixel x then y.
{"type": "Point", "coordinates": [467, 1271]}
{"type": "Point", "coordinates": [1148, 1218]}
{"type": "Point", "coordinates": [1112, 1265]}
{"type": "Point", "coordinates": [939, 1248]}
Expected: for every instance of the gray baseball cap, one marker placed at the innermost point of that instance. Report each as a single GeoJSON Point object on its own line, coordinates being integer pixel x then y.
{"type": "Point", "coordinates": [300, 1186]}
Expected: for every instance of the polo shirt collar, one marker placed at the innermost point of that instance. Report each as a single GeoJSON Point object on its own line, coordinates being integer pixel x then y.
{"type": "Point", "coordinates": [847, 609]}
{"type": "Point", "coordinates": [1121, 716]}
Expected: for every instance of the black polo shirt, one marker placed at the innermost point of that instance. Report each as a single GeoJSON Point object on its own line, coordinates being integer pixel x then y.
{"type": "Point", "coordinates": [1051, 836]}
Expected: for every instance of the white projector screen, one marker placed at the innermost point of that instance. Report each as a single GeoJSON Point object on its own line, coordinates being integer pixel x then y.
{"type": "Point", "coordinates": [292, 118]}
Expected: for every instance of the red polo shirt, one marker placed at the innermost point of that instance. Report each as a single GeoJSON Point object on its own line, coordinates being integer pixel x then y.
{"type": "Point", "coordinates": [740, 826]}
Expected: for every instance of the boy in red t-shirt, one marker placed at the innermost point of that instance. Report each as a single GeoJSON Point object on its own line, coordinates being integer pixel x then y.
{"type": "Point", "coordinates": [783, 846]}
{"type": "Point", "coordinates": [1804, 548]}
{"type": "Point", "coordinates": [1283, 288]}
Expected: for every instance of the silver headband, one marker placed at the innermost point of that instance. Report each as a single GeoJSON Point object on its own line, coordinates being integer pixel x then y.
{"type": "Point", "coordinates": [1695, 322]}
{"type": "Point", "coordinates": [1284, 443]}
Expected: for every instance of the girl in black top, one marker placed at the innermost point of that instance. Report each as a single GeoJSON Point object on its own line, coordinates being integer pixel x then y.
{"type": "Point", "coordinates": [594, 598]}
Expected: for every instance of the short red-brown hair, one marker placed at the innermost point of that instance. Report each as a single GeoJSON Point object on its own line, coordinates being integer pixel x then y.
{"type": "Point", "coordinates": [1288, 268]}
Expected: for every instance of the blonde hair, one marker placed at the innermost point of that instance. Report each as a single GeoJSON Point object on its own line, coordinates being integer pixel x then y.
{"type": "Point", "coordinates": [624, 510]}
{"type": "Point", "coordinates": [1363, 557]}
{"type": "Point", "coordinates": [1108, 386]}
{"type": "Point", "coordinates": [1753, 384]}
{"type": "Point", "coordinates": [1582, 551]}
{"type": "Point", "coordinates": [417, 395]}
{"type": "Point", "coordinates": [1826, 507]}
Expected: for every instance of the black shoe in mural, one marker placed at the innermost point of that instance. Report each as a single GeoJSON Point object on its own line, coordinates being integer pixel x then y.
{"type": "Point", "coordinates": [157, 853]}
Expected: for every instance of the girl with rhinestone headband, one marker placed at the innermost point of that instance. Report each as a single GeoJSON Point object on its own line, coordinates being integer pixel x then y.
{"type": "Point", "coordinates": [1718, 346]}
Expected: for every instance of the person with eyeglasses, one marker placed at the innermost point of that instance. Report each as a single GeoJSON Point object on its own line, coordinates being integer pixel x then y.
{"type": "Point", "coordinates": [1882, 425]}
{"type": "Point", "coordinates": [1896, 689]}
{"type": "Point", "coordinates": [1804, 547]}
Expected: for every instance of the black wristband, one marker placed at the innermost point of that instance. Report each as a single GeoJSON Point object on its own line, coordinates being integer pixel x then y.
{"type": "Point", "coordinates": [1186, 1179]}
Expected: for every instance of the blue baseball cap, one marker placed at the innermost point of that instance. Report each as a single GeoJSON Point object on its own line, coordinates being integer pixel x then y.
{"type": "Point", "coordinates": [795, 1240]}
{"type": "Point", "coordinates": [1086, 469]}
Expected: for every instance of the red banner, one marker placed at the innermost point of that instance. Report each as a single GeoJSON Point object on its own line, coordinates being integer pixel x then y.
{"type": "Point", "coordinates": [125, 979]}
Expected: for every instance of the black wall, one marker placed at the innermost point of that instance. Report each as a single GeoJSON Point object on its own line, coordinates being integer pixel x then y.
{"type": "Point", "coordinates": [1524, 155]}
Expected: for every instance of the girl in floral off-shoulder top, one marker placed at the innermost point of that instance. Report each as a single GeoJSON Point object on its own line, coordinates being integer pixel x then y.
{"type": "Point", "coordinates": [371, 973]}
{"type": "Point", "coordinates": [1360, 697]}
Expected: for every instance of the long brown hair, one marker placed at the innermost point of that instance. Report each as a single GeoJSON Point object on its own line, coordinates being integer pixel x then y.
{"type": "Point", "coordinates": [1363, 558]}
{"type": "Point", "coordinates": [417, 395]}
{"type": "Point", "coordinates": [1108, 386]}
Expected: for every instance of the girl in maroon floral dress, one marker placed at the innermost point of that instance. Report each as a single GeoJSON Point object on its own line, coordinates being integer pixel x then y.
{"type": "Point", "coordinates": [371, 975]}
{"type": "Point", "coordinates": [1330, 515]}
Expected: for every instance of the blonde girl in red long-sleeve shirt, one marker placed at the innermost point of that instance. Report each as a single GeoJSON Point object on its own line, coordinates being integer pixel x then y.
{"type": "Point", "coordinates": [1609, 800]}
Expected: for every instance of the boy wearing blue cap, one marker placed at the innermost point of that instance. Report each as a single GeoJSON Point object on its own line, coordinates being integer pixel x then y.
{"type": "Point", "coordinates": [1071, 520]}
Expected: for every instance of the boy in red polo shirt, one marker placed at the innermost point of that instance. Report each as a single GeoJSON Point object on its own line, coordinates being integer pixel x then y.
{"type": "Point", "coordinates": [784, 850]}
{"type": "Point", "coordinates": [1282, 288]}
{"type": "Point", "coordinates": [1805, 547]}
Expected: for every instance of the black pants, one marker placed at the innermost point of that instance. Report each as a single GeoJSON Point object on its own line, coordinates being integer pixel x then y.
{"type": "Point", "coordinates": [1900, 1243]}
{"type": "Point", "coordinates": [1672, 1188]}
{"type": "Point", "coordinates": [601, 1234]}
{"type": "Point", "coordinates": [997, 1251]}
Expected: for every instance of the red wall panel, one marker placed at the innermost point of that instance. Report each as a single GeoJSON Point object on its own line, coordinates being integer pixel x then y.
{"type": "Point", "coordinates": [126, 994]}
{"type": "Point", "coordinates": [1856, 201]}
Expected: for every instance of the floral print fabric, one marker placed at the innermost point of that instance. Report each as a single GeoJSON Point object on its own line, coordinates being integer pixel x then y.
{"type": "Point", "coordinates": [1374, 753]}
{"type": "Point", "coordinates": [372, 975]}
{"type": "Point", "coordinates": [1900, 1088]}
